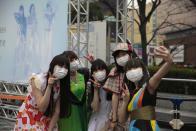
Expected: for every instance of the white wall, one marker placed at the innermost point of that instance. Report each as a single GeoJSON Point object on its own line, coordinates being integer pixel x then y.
{"type": "Point", "coordinates": [97, 39]}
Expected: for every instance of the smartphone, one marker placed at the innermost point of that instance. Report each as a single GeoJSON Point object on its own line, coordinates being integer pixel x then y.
{"type": "Point", "coordinates": [150, 50]}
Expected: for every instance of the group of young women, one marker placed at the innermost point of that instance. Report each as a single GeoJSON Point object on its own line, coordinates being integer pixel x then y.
{"type": "Point", "coordinates": [62, 100]}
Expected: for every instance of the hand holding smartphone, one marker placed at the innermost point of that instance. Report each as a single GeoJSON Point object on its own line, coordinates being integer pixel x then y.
{"type": "Point", "coordinates": [150, 50]}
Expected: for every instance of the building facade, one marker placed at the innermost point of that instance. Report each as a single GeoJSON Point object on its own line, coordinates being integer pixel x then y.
{"type": "Point", "coordinates": [178, 20]}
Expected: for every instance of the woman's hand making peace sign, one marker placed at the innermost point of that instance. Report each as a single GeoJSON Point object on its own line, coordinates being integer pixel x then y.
{"type": "Point", "coordinates": [126, 93]}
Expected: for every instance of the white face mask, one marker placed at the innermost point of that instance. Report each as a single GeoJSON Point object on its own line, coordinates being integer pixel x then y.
{"type": "Point", "coordinates": [122, 61]}
{"type": "Point", "coordinates": [134, 75]}
{"type": "Point", "coordinates": [74, 65]}
{"type": "Point", "coordinates": [60, 73]}
{"type": "Point", "coordinates": [100, 75]}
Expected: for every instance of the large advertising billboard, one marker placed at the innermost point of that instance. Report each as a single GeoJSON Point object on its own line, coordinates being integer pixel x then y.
{"type": "Point", "coordinates": [31, 33]}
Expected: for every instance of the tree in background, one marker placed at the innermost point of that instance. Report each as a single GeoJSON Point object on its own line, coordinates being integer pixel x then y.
{"type": "Point", "coordinates": [97, 13]}
{"type": "Point", "coordinates": [178, 18]}
{"type": "Point", "coordinates": [144, 17]}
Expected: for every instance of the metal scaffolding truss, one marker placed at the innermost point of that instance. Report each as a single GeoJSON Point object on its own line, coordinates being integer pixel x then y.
{"type": "Point", "coordinates": [78, 26]}
{"type": "Point", "coordinates": [11, 88]}
{"type": "Point", "coordinates": [9, 112]}
{"type": "Point", "coordinates": [9, 107]}
{"type": "Point", "coordinates": [122, 18]}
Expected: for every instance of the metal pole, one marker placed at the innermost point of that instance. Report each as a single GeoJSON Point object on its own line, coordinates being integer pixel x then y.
{"type": "Point", "coordinates": [123, 17]}
{"type": "Point", "coordinates": [125, 20]}
{"type": "Point", "coordinates": [117, 22]}
{"type": "Point", "coordinates": [179, 80]}
{"type": "Point", "coordinates": [87, 33]}
{"type": "Point", "coordinates": [132, 22]}
{"type": "Point", "coordinates": [78, 28]}
{"type": "Point", "coordinates": [69, 24]}
{"type": "Point", "coordinates": [76, 35]}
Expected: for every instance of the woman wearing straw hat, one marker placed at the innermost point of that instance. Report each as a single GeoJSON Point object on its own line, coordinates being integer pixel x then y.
{"type": "Point", "coordinates": [122, 53]}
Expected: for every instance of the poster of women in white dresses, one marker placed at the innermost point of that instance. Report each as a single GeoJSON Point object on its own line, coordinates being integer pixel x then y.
{"type": "Point", "coordinates": [33, 40]}
{"type": "Point", "coordinates": [49, 15]}
{"type": "Point", "coordinates": [20, 53]}
{"type": "Point", "coordinates": [31, 33]}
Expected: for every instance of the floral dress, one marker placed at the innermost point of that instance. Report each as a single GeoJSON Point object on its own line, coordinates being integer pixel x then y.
{"type": "Point", "coordinates": [29, 117]}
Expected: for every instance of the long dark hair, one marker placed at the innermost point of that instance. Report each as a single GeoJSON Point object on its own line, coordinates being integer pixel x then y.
{"type": "Point", "coordinates": [99, 64]}
{"type": "Point", "coordinates": [65, 99]}
{"type": "Point", "coordinates": [135, 63]}
{"type": "Point", "coordinates": [70, 55]}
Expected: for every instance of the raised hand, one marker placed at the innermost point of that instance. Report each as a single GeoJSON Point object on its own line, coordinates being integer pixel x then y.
{"type": "Point", "coordinates": [32, 82]}
{"type": "Point", "coordinates": [51, 80]}
{"type": "Point", "coordinates": [89, 57]}
{"type": "Point", "coordinates": [95, 82]}
{"type": "Point", "coordinates": [163, 52]}
{"type": "Point", "coordinates": [126, 93]}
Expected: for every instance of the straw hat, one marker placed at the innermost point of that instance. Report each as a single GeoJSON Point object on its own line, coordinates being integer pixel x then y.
{"type": "Point", "coordinates": [122, 47]}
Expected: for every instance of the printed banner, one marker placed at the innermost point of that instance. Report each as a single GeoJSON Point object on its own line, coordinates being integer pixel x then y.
{"type": "Point", "coordinates": [31, 33]}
